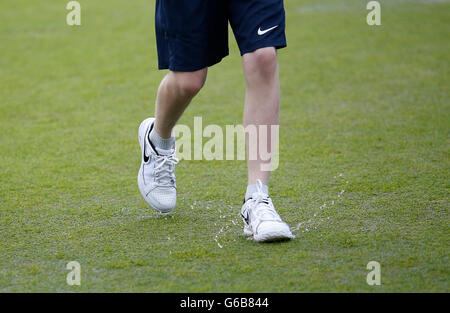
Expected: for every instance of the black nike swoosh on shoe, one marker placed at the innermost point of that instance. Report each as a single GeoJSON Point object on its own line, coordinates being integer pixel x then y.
{"type": "Point", "coordinates": [146, 158]}
{"type": "Point", "coordinates": [245, 218]}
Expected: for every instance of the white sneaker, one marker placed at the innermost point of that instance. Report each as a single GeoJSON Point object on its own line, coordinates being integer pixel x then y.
{"type": "Point", "coordinates": [261, 220]}
{"type": "Point", "coordinates": [156, 178]}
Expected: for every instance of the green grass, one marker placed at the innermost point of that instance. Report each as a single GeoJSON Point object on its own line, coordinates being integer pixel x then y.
{"type": "Point", "coordinates": [370, 103]}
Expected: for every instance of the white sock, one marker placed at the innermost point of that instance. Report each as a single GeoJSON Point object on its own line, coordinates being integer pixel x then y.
{"type": "Point", "coordinates": [251, 189]}
{"type": "Point", "coordinates": [159, 142]}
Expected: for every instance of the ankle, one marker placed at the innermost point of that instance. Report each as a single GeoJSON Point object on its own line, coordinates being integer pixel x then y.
{"type": "Point", "coordinates": [161, 142]}
{"type": "Point", "coordinates": [251, 189]}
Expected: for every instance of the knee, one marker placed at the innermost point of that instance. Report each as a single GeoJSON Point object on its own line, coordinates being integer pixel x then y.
{"type": "Point", "coordinates": [262, 62]}
{"type": "Point", "coordinates": [190, 83]}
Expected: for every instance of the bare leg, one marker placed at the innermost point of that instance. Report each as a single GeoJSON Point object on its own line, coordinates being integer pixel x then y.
{"type": "Point", "coordinates": [262, 100]}
{"type": "Point", "coordinates": [174, 95]}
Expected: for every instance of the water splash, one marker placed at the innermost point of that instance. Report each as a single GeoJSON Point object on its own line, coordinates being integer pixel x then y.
{"type": "Point", "coordinates": [228, 223]}
{"type": "Point", "coordinates": [313, 223]}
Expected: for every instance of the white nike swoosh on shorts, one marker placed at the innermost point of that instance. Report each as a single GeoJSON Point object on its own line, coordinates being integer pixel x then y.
{"type": "Point", "coordinates": [262, 32]}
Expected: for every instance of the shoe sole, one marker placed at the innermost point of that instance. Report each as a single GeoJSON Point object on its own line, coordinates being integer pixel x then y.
{"type": "Point", "coordinates": [273, 236]}
{"type": "Point", "coordinates": [270, 236]}
{"type": "Point", "coordinates": [143, 129]}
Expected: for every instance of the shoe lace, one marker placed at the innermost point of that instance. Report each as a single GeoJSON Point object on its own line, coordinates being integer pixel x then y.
{"type": "Point", "coordinates": [165, 169]}
{"type": "Point", "coordinates": [262, 205]}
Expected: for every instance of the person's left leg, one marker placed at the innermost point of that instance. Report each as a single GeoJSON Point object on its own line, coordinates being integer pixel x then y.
{"type": "Point", "coordinates": [259, 28]}
{"type": "Point", "coordinates": [262, 104]}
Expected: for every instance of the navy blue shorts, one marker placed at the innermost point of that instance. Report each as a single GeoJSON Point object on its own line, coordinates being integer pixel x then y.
{"type": "Point", "coordinates": [193, 34]}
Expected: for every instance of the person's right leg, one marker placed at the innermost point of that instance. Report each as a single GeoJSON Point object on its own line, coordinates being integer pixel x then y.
{"type": "Point", "coordinates": [156, 178]}
{"type": "Point", "coordinates": [191, 35]}
{"type": "Point", "coordinates": [174, 95]}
